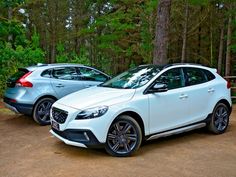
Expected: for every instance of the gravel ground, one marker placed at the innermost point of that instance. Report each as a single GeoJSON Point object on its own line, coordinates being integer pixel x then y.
{"type": "Point", "coordinates": [28, 150]}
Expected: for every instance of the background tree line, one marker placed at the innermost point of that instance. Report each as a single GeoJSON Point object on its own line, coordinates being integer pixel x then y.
{"type": "Point", "coordinates": [114, 35]}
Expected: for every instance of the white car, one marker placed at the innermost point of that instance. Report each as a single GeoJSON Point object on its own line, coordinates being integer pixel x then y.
{"type": "Point", "coordinates": [143, 103]}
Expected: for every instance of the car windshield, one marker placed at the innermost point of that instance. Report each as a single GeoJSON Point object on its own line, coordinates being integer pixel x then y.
{"type": "Point", "coordinates": [133, 78]}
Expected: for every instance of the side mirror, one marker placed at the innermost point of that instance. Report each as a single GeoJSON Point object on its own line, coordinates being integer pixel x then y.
{"type": "Point", "coordinates": [158, 87]}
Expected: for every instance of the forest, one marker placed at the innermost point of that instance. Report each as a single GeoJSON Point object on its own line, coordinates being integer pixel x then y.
{"type": "Point", "coordinates": [114, 35]}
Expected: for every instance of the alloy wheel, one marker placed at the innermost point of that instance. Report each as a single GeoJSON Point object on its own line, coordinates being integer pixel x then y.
{"type": "Point", "coordinates": [43, 110]}
{"type": "Point", "coordinates": [221, 118]}
{"type": "Point", "coordinates": [122, 137]}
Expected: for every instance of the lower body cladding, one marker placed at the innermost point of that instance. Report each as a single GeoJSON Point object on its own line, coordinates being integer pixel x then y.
{"type": "Point", "coordinates": [18, 107]}
{"type": "Point", "coordinates": [80, 138]}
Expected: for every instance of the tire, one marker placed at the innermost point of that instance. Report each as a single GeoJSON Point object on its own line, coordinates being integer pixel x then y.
{"type": "Point", "coordinates": [124, 137]}
{"type": "Point", "coordinates": [220, 119]}
{"type": "Point", "coordinates": [41, 113]}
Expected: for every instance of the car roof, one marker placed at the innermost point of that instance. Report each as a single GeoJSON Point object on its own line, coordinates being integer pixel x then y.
{"type": "Point", "coordinates": [189, 65]}
{"type": "Point", "coordinates": [182, 64]}
{"type": "Point", "coordinates": [173, 65]}
{"type": "Point", "coordinates": [48, 66]}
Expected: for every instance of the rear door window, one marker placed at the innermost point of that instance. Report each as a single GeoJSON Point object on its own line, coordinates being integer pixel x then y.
{"type": "Point", "coordinates": [195, 76]}
{"type": "Point", "coordinates": [65, 73]}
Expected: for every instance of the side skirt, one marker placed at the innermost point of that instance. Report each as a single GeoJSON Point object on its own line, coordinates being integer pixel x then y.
{"type": "Point", "coordinates": [177, 131]}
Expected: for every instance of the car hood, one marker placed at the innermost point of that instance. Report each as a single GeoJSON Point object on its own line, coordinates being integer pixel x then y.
{"type": "Point", "coordinates": [96, 96]}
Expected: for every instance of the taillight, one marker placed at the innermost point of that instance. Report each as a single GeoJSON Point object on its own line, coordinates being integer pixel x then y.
{"type": "Point", "coordinates": [228, 84]}
{"type": "Point", "coordinates": [12, 100]}
{"type": "Point", "coordinates": [23, 82]}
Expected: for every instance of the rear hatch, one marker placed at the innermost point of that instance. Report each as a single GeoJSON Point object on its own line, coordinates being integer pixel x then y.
{"type": "Point", "coordinates": [11, 81]}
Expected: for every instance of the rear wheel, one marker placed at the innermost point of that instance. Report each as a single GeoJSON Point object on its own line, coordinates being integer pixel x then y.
{"type": "Point", "coordinates": [220, 119]}
{"type": "Point", "coordinates": [124, 137]}
{"type": "Point", "coordinates": [41, 113]}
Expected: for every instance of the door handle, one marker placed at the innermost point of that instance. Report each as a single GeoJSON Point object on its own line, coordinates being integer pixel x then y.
{"type": "Point", "coordinates": [59, 85]}
{"type": "Point", "coordinates": [183, 96]}
{"type": "Point", "coordinates": [211, 90]}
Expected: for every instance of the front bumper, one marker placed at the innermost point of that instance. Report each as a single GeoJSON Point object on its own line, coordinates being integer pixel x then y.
{"type": "Point", "coordinates": [18, 107]}
{"type": "Point", "coordinates": [80, 138]}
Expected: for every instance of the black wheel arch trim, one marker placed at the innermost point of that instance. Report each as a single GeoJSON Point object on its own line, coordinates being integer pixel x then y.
{"type": "Point", "coordinates": [224, 101]}
{"type": "Point", "coordinates": [44, 96]}
{"type": "Point", "coordinates": [136, 117]}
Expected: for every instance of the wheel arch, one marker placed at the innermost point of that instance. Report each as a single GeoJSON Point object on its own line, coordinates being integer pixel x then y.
{"type": "Point", "coordinates": [224, 101]}
{"type": "Point", "coordinates": [44, 96]}
{"type": "Point", "coordinates": [136, 117]}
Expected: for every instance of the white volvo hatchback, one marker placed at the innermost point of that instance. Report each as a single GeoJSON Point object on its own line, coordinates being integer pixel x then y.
{"type": "Point", "coordinates": [143, 103]}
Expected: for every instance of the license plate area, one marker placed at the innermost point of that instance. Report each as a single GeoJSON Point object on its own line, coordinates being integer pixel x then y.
{"type": "Point", "coordinates": [55, 125]}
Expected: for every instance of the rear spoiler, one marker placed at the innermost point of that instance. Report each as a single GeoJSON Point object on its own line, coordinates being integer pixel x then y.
{"type": "Point", "coordinates": [214, 70]}
{"type": "Point", "coordinates": [23, 69]}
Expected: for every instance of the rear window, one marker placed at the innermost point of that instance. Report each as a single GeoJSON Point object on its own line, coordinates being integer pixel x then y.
{"type": "Point", "coordinates": [46, 73]}
{"type": "Point", "coordinates": [209, 75]}
{"type": "Point", "coordinates": [16, 76]}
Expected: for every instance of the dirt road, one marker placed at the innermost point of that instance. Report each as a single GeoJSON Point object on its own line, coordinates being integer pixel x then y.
{"type": "Point", "coordinates": [28, 150]}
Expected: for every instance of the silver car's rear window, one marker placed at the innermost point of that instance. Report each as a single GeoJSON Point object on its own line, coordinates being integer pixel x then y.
{"type": "Point", "coordinates": [16, 76]}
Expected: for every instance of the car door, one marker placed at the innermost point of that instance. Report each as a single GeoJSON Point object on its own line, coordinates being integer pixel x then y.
{"type": "Point", "coordinates": [91, 77]}
{"type": "Point", "coordinates": [66, 80]}
{"type": "Point", "coordinates": [169, 110]}
{"type": "Point", "coordinates": [199, 91]}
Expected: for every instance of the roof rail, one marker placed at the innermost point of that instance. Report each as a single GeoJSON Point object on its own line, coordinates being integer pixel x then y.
{"type": "Point", "coordinates": [174, 64]}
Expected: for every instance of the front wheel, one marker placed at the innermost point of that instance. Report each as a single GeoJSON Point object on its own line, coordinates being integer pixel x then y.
{"type": "Point", "coordinates": [124, 137]}
{"type": "Point", "coordinates": [220, 119]}
{"type": "Point", "coordinates": [41, 113]}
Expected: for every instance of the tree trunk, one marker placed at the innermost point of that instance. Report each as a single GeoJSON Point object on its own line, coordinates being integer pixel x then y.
{"type": "Point", "coordinates": [199, 38]}
{"type": "Point", "coordinates": [161, 33]}
{"type": "Point", "coordinates": [220, 56]}
{"type": "Point", "coordinates": [77, 23]}
{"type": "Point", "coordinates": [53, 20]}
{"type": "Point", "coordinates": [211, 39]}
{"type": "Point", "coordinates": [10, 18]}
{"type": "Point", "coordinates": [183, 56]}
{"type": "Point", "coordinates": [228, 50]}
{"type": "Point", "coordinates": [77, 40]}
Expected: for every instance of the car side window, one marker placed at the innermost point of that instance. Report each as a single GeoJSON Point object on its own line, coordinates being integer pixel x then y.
{"type": "Point", "coordinates": [91, 75]}
{"type": "Point", "coordinates": [209, 75]}
{"type": "Point", "coordinates": [195, 76]}
{"type": "Point", "coordinates": [46, 73]}
{"type": "Point", "coordinates": [173, 78]}
{"type": "Point", "coordinates": [65, 73]}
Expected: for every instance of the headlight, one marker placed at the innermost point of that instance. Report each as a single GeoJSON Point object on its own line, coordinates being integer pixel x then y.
{"type": "Point", "coordinates": [92, 112]}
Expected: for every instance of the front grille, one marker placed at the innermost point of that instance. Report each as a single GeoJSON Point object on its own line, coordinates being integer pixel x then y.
{"type": "Point", "coordinates": [59, 115]}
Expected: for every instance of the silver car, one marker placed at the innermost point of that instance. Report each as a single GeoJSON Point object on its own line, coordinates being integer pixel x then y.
{"type": "Point", "coordinates": [34, 89]}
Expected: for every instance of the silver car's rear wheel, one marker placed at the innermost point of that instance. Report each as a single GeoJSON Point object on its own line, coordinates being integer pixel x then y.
{"type": "Point", "coordinates": [124, 137]}
{"type": "Point", "coordinates": [41, 113]}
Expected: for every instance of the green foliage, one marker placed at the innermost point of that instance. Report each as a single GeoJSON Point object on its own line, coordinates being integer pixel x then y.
{"type": "Point", "coordinates": [147, 30]}
{"type": "Point", "coordinates": [64, 57]}
{"type": "Point", "coordinates": [20, 53]}
{"type": "Point", "coordinates": [111, 35]}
